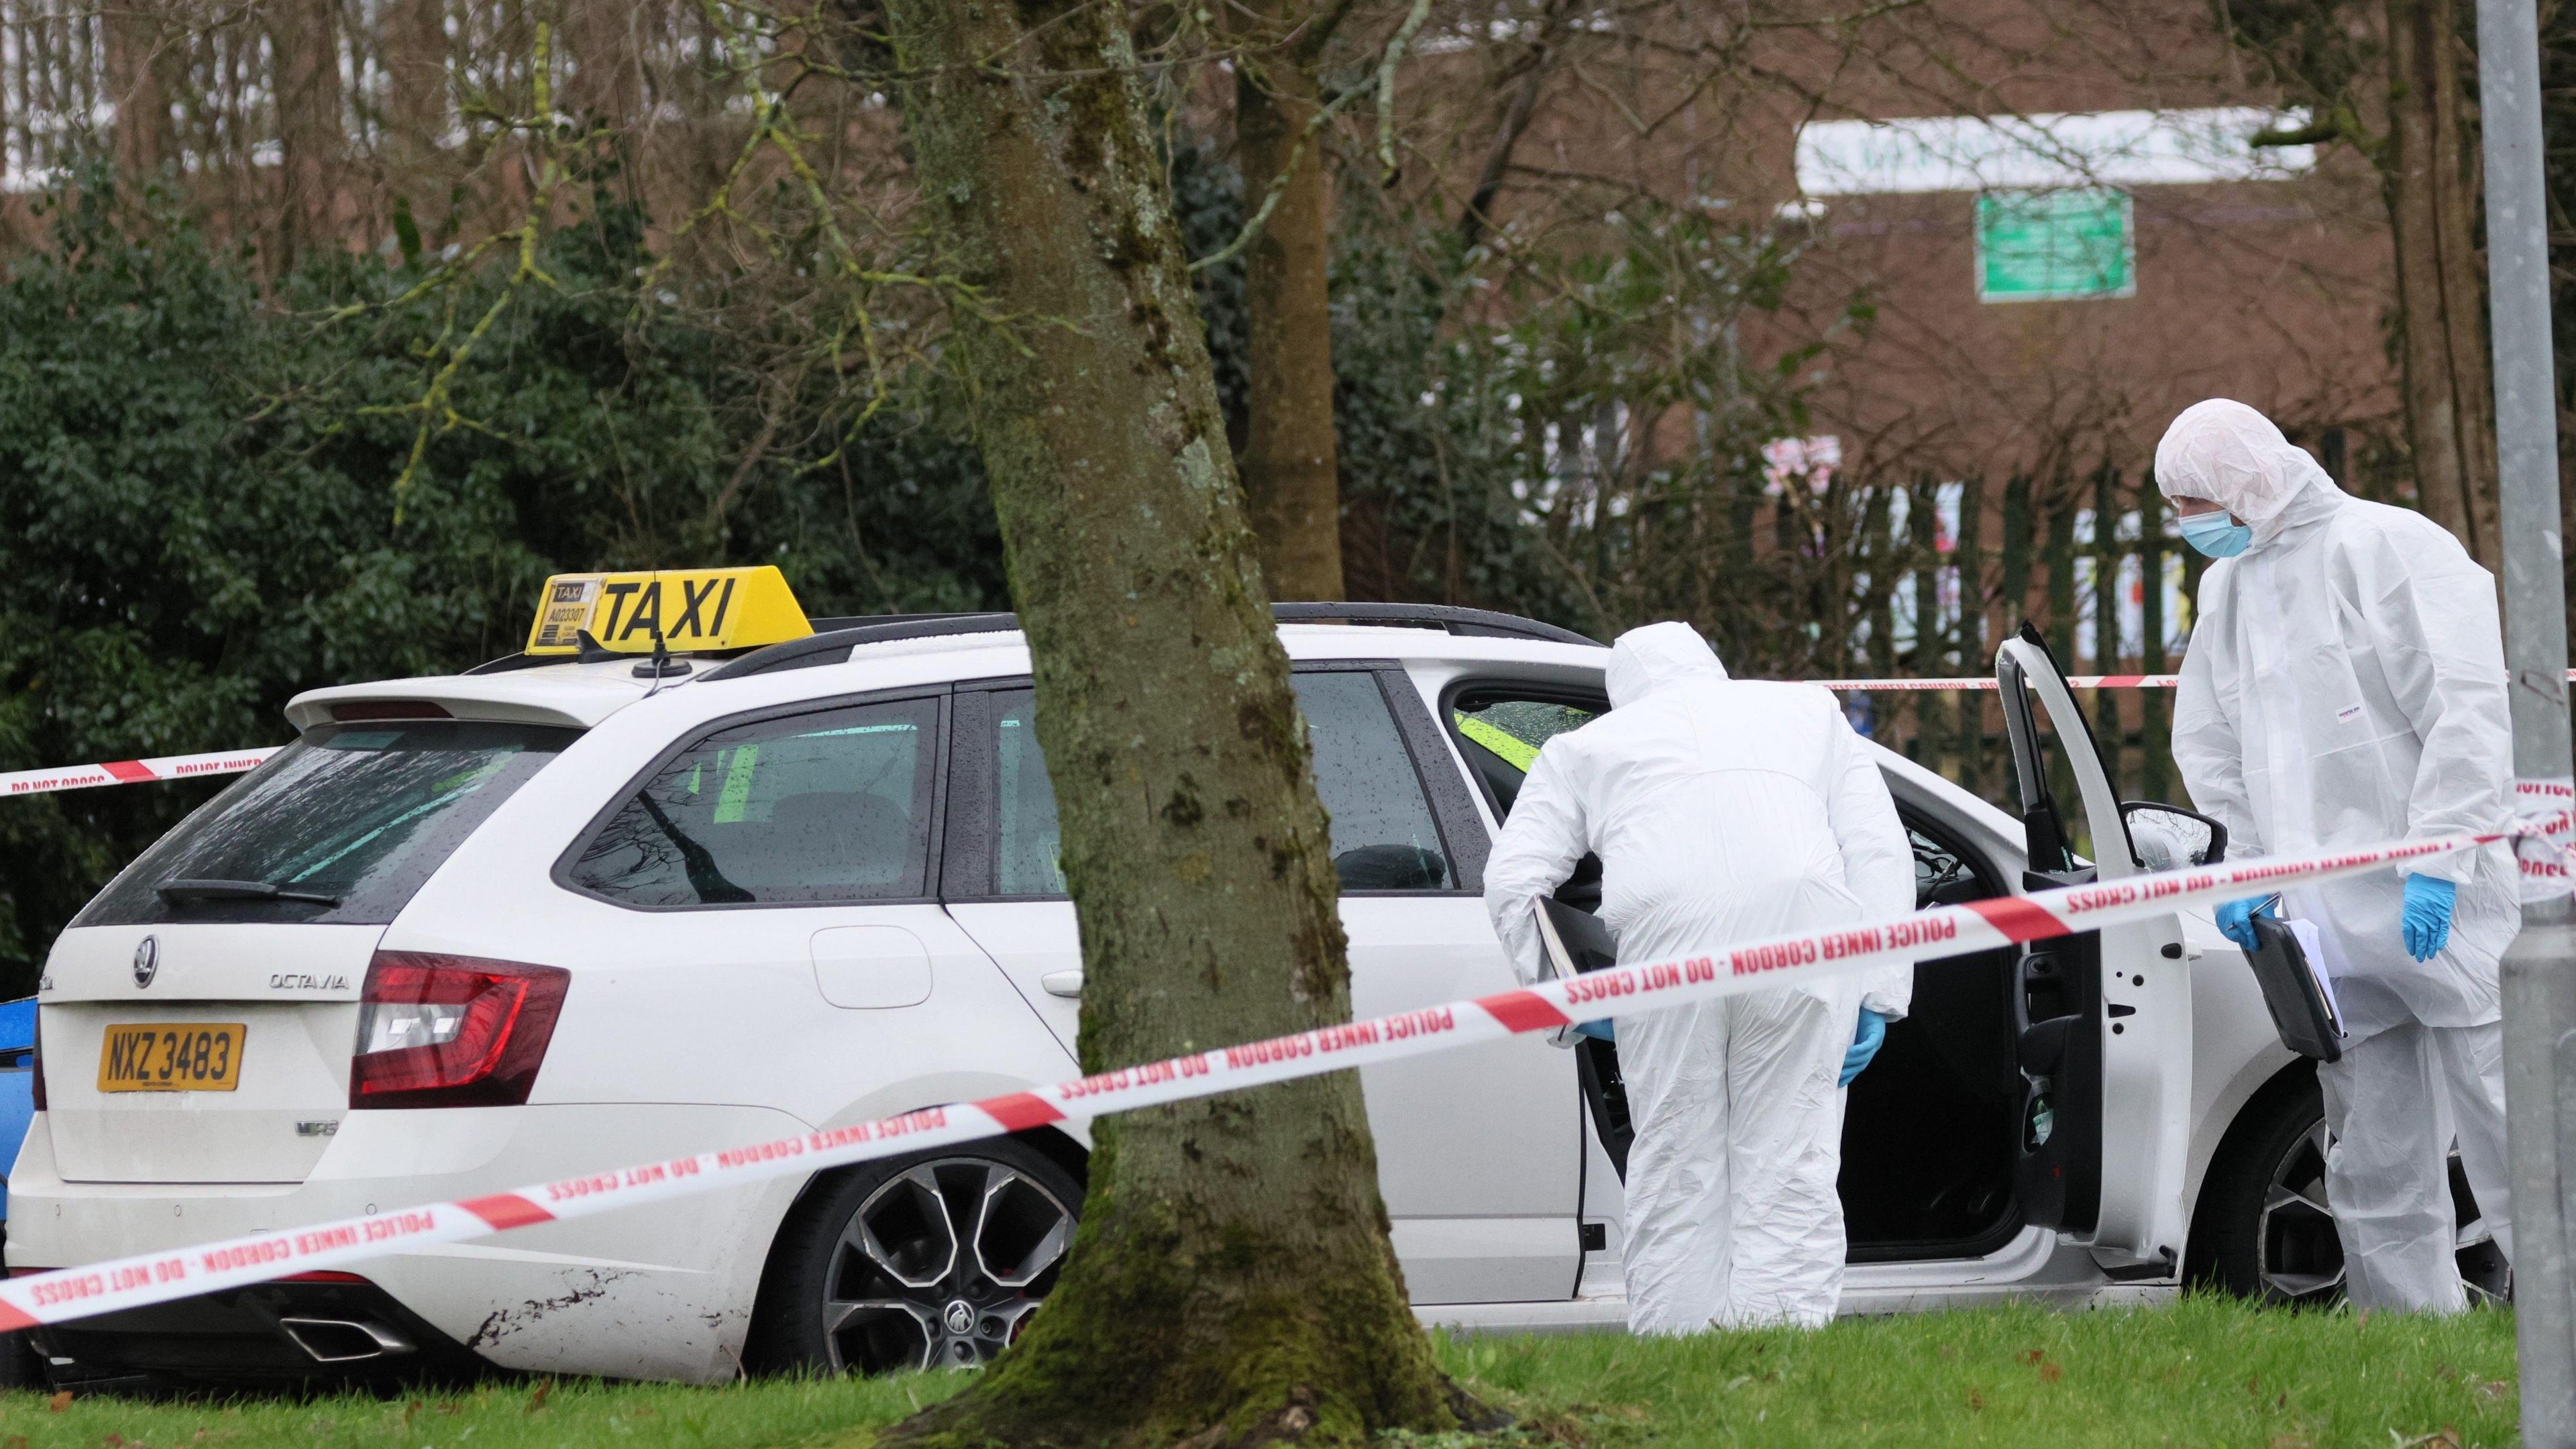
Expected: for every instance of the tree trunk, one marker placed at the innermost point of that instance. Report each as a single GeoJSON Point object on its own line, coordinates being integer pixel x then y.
{"type": "Point", "coordinates": [2432, 206]}
{"type": "Point", "coordinates": [134, 70]}
{"type": "Point", "coordinates": [1232, 1281]}
{"type": "Point", "coordinates": [1291, 477]}
{"type": "Point", "coordinates": [305, 44]}
{"type": "Point", "coordinates": [415, 52]}
{"type": "Point", "coordinates": [601, 36]}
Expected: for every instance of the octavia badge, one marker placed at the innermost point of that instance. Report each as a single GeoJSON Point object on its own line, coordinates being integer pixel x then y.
{"type": "Point", "coordinates": [147, 961]}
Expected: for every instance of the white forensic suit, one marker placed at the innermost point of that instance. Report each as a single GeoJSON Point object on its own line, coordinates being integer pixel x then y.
{"type": "Point", "coordinates": [2346, 686]}
{"type": "Point", "coordinates": [1722, 811]}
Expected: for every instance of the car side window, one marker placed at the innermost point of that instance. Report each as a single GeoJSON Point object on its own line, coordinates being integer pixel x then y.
{"type": "Point", "coordinates": [823, 807]}
{"type": "Point", "coordinates": [1500, 734]}
{"type": "Point", "coordinates": [1384, 837]}
{"type": "Point", "coordinates": [1028, 844]}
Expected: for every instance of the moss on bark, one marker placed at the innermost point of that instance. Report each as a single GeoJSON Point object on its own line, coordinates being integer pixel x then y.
{"type": "Point", "coordinates": [1231, 1282]}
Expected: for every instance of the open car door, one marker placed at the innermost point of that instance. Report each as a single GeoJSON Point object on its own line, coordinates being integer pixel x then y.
{"type": "Point", "coordinates": [2102, 1018]}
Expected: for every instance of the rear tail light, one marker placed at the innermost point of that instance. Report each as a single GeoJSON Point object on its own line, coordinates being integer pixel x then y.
{"type": "Point", "coordinates": [452, 1031]}
{"type": "Point", "coordinates": [36, 1062]}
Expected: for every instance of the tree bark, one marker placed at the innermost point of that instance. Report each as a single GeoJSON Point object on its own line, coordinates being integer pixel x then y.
{"type": "Point", "coordinates": [1532, 72]}
{"type": "Point", "coordinates": [601, 83]}
{"type": "Point", "coordinates": [304, 40]}
{"type": "Point", "coordinates": [1291, 476]}
{"type": "Point", "coordinates": [1232, 1281]}
{"type": "Point", "coordinates": [142, 139]}
{"type": "Point", "coordinates": [2432, 205]}
{"type": "Point", "coordinates": [415, 51]}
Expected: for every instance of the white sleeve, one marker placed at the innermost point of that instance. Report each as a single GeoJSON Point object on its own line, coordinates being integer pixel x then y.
{"type": "Point", "coordinates": [2206, 745]}
{"type": "Point", "coordinates": [1537, 849]}
{"type": "Point", "coordinates": [2441, 648]}
{"type": "Point", "coordinates": [1878, 858]}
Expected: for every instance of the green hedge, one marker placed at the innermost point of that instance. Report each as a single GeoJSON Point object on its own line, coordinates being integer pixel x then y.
{"type": "Point", "coordinates": [196, 518]}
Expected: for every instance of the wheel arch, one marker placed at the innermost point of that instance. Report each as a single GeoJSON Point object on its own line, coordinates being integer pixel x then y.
{"type": "Point", "coordinates": [2295, 1077]}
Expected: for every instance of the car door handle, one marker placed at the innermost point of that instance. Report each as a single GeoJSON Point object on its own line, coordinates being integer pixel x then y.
{"type": "Point", "coordinates": [1062, 983]}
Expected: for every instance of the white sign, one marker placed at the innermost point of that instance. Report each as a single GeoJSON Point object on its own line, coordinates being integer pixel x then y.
{"type": "Point", "coordinates": [2103, 148]}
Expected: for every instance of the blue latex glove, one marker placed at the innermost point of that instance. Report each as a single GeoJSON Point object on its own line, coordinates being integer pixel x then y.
{"type": "Point", "coordinates": [2426, 921]}
{"type": "Point", "coordinates": [1597, 1030]}
{"type": "Point", "coordinates": [2236, 919]}
{"type": "Point", "coordinates": [1866, 1040]}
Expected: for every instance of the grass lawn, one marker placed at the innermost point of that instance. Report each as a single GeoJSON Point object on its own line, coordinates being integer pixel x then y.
{"type": "Point", "coordinates": [2204, 1373]}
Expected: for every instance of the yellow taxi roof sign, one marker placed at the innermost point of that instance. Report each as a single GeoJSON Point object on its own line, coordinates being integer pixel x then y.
{"type": "Point", "coordinates": [687, 609]}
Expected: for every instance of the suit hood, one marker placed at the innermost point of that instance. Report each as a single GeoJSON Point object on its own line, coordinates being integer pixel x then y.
{"type": "Point", "coordinates": [2233, 456]}
{"type": "Point", "coordinates": [1646, 659]}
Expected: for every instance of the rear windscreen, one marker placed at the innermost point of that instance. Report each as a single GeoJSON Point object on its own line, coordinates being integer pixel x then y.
{"type": "Point", "coordinates": [357, 813]}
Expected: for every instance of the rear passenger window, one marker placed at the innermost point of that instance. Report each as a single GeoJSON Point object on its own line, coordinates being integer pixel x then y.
{"type": "Point", "coordinates": [1384, 838]}
{"type": "Point", "coordinates": [825, 807]}
{"type": "Point", "coordinates": [1383, 835]}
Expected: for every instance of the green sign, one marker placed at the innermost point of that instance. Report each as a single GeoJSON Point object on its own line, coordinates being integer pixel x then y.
{"type": "Point", "coordinates": [2048, 246]}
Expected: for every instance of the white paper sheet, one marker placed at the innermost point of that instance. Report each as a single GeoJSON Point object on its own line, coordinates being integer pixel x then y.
{"type": "Point", "coordinates": [2312, 945]}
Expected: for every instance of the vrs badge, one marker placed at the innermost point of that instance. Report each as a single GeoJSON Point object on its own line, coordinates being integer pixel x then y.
{"type": "Point", "coordinates": [147, 961]}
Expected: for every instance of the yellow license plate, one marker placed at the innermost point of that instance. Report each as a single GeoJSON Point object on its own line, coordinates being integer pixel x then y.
{"type": "Point", "coordinates": [171, 1057]}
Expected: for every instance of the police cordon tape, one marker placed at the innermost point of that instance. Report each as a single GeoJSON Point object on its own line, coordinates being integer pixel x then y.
{"type": "Point", "coordinates": [63, 1294]}
{"type": "Point", "coordinates": [2073, 681]}
{"type": "Point", "coordinates": [133, 772]}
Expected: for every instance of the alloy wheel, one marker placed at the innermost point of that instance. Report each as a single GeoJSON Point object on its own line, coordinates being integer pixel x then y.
{"type": "Point", "coordinates": [942, 1266]}
{"type": "Point", "coordinates": [2301, 1258]}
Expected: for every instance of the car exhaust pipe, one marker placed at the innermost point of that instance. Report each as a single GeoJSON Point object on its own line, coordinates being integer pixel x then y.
{"type": "Point", "coordinates": [342, 1340]}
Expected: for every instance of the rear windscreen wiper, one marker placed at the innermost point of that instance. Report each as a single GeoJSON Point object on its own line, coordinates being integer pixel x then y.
{"type": "Point", "coordinates": [237, 890]}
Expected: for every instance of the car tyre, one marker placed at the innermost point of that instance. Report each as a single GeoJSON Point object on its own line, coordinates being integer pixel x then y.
{"type": "Point", "coordinates": [2265, 1231]}
{"type": "Point", "coordinates": [933, 1260]}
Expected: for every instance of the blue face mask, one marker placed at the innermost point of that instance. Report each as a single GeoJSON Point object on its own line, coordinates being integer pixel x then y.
{"type": "Point", "coordinates": [2216, 534]}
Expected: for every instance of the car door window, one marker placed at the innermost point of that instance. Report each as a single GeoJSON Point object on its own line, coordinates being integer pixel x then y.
{"type": "Point", "coordinates": [1384, 837]}
{"type": "Point", "coordinates": [1501, 733]}
{"type": "Point", "coordinates": [823, 807]}
{"type": "Point", "coordinates": [1028, 843]}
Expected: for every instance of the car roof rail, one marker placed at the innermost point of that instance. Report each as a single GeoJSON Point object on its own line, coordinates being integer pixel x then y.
{"type": "Point", "coordinates": [1455, 618]}
{"type": "Point", "coordinates": [833, 638]}
{"type": "Point", "coordinates": [833, 645]}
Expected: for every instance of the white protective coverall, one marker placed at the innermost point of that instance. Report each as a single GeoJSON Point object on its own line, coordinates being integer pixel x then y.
{"type": "Point", "coordinates": [2346, 686]}
{"type": "Point", "coordinates": [1722, 811]}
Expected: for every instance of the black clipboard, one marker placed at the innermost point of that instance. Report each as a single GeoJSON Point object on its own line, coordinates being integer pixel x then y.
{"type": "Point", "coordinates": [2300, 1012]}
{"type": "Point", "coordinates": [1575, 941]}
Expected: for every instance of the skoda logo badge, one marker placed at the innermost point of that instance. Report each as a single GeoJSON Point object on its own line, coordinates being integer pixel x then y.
{"type": "Point", "coordinates": [961, 1317]}
{"type": "Point", "coordinates": [147, 961]}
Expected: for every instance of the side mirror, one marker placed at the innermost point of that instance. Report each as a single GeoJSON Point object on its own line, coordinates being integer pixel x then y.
{"type": "Point", "coordinates": [2169, 837]}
